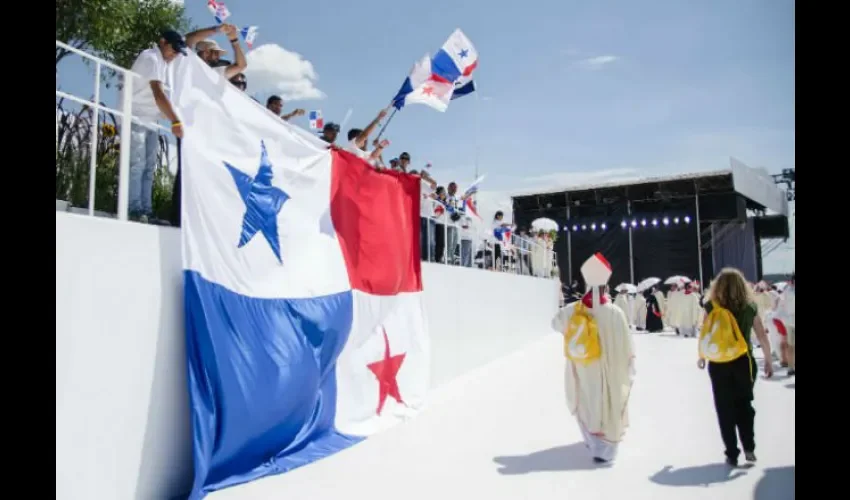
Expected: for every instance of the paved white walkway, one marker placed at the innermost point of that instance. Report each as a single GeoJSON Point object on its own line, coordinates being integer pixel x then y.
{"type": "Point", "coordinates": [503, 432]}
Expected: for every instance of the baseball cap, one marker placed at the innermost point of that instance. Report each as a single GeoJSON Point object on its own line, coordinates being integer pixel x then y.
{"type": "Point", "coordinates": [331, 126]}
{"type": "Point", "coordinates": [209, 45]}
{"type": "Point", "coordinates": [175, 39]}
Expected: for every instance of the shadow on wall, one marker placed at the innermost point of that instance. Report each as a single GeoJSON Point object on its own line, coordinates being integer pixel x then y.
{"type": "Point", "coordinates": [160, 478]}
{"type": "Point", "coordinates": [561, 458]}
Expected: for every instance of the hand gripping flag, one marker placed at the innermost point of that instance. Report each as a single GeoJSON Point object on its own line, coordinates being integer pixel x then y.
{"type": "Point", "coordinates": [305, 329]}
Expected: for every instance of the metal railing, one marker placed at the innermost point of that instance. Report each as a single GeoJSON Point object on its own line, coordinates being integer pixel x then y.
{"type": "Point", "coordinates": [464, 242]}
{"type": "Point", "coordinates": [468, 243]}
{"type": "Point", "coordinates": [126, 78]}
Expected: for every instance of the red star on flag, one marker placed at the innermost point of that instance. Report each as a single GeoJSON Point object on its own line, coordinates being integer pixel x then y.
{"type": "Point", "coordinates": [385, 371]}
{"type": "Point", "coordinates": [428, 90]}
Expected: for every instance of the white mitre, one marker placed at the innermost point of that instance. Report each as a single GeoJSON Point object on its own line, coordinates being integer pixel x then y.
{"type": "Point", "coordinates": [596, 272]}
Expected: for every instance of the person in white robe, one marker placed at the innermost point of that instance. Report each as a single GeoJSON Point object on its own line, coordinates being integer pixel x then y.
{"type": "Point", "coordinates": [785, 312]}
{"type": "Point", "coordinates": [599, 369]}
{"type": "Point", "coordinates": [625, 304]}
{"type": "Point", "coordinates": [639, 309]}
{"type": "Point", "coordinates": [690, 312]}
{"type": "Point", "coordinates": [671, 312]}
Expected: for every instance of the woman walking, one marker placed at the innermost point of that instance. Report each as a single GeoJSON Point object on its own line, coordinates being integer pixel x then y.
{"type": "Point", "coordinates": [725, 343]}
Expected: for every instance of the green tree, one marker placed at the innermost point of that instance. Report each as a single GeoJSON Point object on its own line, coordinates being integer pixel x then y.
{"type": "Point", "coordinates": [115, 30]}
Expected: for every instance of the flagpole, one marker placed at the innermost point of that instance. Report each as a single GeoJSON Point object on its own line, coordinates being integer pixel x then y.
{"type": "Point", "coordinates": [386, 124]}
{"type": "Point", "coordinates": [477, 127]}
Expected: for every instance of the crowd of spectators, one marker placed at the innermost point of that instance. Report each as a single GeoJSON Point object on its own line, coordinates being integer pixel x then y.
{"type": "Point", "coordinates": [451, 230]}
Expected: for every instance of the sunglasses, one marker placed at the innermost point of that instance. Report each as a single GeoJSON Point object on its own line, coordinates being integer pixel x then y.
{"type": "Point", "coordinates": [240, 83]}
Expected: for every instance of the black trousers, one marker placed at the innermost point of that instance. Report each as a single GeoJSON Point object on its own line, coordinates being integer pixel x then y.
{"type": "Point", "coordinates": [175, 193]}
{"type": "Point", "coordinates": [732, 384]}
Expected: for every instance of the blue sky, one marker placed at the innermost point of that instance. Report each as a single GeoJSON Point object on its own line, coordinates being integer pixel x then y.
{"type": "Point", "coordinates": [571, 91]}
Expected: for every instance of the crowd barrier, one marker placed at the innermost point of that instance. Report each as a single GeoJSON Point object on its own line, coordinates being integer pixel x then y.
{"type": "Point", "coordinates": [122, 409]}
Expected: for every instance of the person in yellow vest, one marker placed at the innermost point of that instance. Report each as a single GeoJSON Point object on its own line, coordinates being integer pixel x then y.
{"type": "Point", "coordinates": [725, 345]}
{"type": "Point", "coordinates": [599, 367]}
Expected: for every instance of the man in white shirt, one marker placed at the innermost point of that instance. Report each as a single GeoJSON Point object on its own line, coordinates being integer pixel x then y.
{"type": "Point", "coordinates": [275, 105]}
{"type": "Point", "coordinates": [211, 52]}
{"type": "Point", "coordinates": [150, 102]}
{"type": "Point", "coordinates": [358, 139]}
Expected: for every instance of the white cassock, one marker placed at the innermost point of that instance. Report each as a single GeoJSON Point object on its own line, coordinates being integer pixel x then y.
{"type": "Point", "coordinates": [690, 313]}
{"type": "Point", "coordinates": [674, 308]}
{"type": "Point", "coordinates": [598, 393]}
{"type": "Point", "coordinates": [764, 302]}
{"type": "Point", "coordinates": [624, 302]}
{"type": "Point", "coordinates": [639, 309]}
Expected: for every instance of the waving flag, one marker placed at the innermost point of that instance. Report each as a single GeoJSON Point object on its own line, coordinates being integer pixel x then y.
{"type": "Point", "coordinates": [432, 81]}
{"type": "Point", "coordinates": [473, 188]}
{"type": "Point", "coordinates": [316, 120]}
{"type": "Point", "coordinates": [305, 329]}
{"type": "Point", "coordinates": [419, 87]}
{"type": "Point", "coordinates": [464, 86]}
{"type": "Point", "coordinates": [249, 34]}
{"type": "Point", "coordinates": [218, 10]}
{"type": "Point", "coordinates": [455, 59]}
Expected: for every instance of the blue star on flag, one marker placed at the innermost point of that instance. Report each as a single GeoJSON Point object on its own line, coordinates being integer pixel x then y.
{"type": "Point", "coordinates": [463, 53]}
{"type": "Point", "coordinates": [262, 203]}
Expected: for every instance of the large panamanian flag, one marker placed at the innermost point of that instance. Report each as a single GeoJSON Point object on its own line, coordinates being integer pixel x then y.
{"type": "Point", "coordinates": [305, 330]}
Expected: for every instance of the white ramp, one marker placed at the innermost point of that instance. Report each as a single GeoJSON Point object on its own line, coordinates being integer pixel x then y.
{"type": "Point", "coordinates": [503, 432]}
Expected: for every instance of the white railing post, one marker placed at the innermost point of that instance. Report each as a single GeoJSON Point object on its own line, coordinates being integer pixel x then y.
{"type": "Point", "coordinates": [95, 125]}
{"type": "Point", "coordinates": [124, 155]}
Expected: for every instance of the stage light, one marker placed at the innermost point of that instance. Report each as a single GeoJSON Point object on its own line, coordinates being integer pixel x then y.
{"type": "Point", "coordinates": [623, 224]}
{"type": "Point", "coordinates": [666, 221]}
{"type": "Point", "coordinates": [593, 227]}
{"type": "Point", "coordinates": [675, 220]}
{"type": "Point", "coordinates": [687, 219]}
{"type": "Point", "coordinates": [643, 223]}
{"type": "Point", "coordinates": [634, 223]}
{"type": "Point", "coordinates": [575, 228]}
{"type": "Point", "coordinates": [584, 227]}
{"type": "Point", "coordinates": [654, 222]}
{"type": "Point", "coordinates": [604, 226]}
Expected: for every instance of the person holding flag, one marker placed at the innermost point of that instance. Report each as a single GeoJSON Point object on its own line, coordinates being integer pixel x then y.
{"type": "Point", "coordinates": [599, 369]}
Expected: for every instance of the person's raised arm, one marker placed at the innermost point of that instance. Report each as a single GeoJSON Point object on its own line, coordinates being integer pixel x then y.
{"type": "Point", "coordinates": [239, 61]}
{"type": "Point", "coordinates": [196, 36]}
{"type": "Point", "coordinates": [364, 135]}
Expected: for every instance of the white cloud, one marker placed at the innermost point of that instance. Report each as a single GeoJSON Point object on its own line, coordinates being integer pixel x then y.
{"type": "Point", "coordinates": [273, 69]}
{"type": "Point", "coordinates": [598, 61]}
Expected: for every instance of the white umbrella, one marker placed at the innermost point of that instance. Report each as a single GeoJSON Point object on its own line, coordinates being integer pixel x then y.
{"type": "Point", "coordinates": [647, 284]}
{"type": "Point", "coordinates": [626, 288]}
{"type": "Point", "coordinates": [544, 224]}
{"type": "Point", "coordinates": [677, 280]}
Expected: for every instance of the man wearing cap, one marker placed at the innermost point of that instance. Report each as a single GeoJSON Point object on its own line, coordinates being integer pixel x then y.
{"type": "Point", "coordinates": [150, 102]}
{"type": "Point", "coordinates": [211, 52]}
{"type": "Point", "coordinates": [600, 362]}
{"type": "Point", "coordinates": [330, 132]}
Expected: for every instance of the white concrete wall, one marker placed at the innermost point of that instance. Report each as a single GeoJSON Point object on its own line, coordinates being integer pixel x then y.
{"type": "Point", "coordinates": [122, 409]}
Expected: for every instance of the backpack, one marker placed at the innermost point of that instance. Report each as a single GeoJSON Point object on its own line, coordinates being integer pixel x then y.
{"type": "Point", "coordinates": [581, 340]}
{"type": "Point", "coordinates": [721, 340]}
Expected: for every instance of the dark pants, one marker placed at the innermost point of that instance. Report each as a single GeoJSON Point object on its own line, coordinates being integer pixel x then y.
{"type": "Point", "coordinates": [440, 239]}
{"type": "Point", "coordinates": [175, 193]}
{"type": "Point", "coordinates": [732, 384]}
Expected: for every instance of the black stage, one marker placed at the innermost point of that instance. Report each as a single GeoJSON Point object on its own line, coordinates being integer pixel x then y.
{"type": "Point", "coordinates": [671, 223]}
